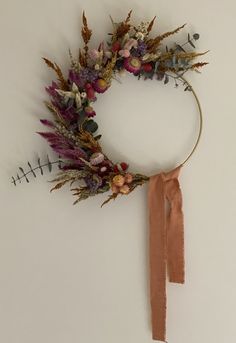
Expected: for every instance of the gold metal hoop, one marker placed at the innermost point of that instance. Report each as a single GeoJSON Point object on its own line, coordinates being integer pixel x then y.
{"type": "Point", "coordinates": [200, 121]}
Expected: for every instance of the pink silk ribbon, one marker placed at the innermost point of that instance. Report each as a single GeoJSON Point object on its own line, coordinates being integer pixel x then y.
{"type": "Point", "coordinates": [166, 243]}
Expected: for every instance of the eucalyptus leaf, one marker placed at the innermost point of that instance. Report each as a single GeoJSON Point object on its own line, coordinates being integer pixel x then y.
{"type": "Point", "coordinates": [180, 48]}
{"type": "Point", "coordinates": [191, 43]}
{"type": "Point", "coordinates": [90, 125]}
{"type": "Point", "coordinates": [196, 36]}
{"type": "Point", "coordinates": [166, 80]}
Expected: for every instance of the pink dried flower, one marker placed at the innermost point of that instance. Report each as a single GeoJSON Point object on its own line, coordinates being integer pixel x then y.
{"type": "Point", "coordinates": [100, 85]}
{"type": "Point", "coordinates": [124, 53]}
{"type": "Point", "coordinates": [131, 43]}
{"type": "Point", "coordinates": [132, 64]}
{"type": "Point", "coordinates": [94, 54]}
{"type": "Point", "coordinates": [89, 111]}
{"type": "Point", "coordinates": [96, 158]}
{"type": "Point", "coordinates": [90, 92]}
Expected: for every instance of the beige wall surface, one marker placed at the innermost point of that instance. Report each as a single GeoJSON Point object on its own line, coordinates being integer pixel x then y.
{"type": "Point", "coordinates": [80, 273]}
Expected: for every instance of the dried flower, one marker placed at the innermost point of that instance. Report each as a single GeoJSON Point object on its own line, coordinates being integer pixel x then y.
{"type": "Point", "coordinates": [116, 46]}
{"type": "Point", "coordinates": [128, 178]}
{"type": "Point", "coordinates": [124, 189]}
{"type": "Point", "coordinates": [118, 180]}
{"type": "Point", "coordinates": [94, 54]}
{"type": "Point", "coordinates": [89, 111]}
{"type": "Point", "coordinates": [120, 167]}
{"type": "Point", "coordinates": [124, 53]}
{"type": "Point", "coordinates": [100, 85]}
{"type": "Point", "coordinates": [132, 64]}
{"type": "Point", "coordinates": [90, 92]}
{"type": "Point", "coordinates": [72, 131]}
{"type": "Point", "coordinates": [96, 158]}
{"type": "Point", "coordinates": [73, 94]}
{"type": "Point", "coordinates": [147, 67]}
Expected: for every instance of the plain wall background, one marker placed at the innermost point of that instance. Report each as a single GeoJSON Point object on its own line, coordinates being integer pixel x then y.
{"type": "Point", "coordinates": [80, 274]}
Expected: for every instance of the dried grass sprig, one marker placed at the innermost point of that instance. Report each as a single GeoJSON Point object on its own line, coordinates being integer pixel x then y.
{"type": "Point", "coordinates": [127, 20]}
{"type": "Point", "coordinates": [56, 68]}
{"type": "Point", "coordinates": [68, 176]}
{"type": "Point", "coordinates": [88, 140]}
{"type": "Point", "coordinates": [82, 58]}
{"type": "Point", "coordinates": [123, 27]}
{"type": "Point", "coordinates": [198, 65]}
{"type": "Point", "coordinates": [54, 110]}
{"type": "Point", "coordinates": [150, 26]}
{"type": "Point", "coordinates": [153, 44]}
{"type": "Point", "coordinates": [109, 69]}
{"type": "Point", "coordinates": [86, 33]}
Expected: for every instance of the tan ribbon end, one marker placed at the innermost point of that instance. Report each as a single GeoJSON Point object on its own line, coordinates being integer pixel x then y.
{"type": "Point", "coordinates": [166, 244]}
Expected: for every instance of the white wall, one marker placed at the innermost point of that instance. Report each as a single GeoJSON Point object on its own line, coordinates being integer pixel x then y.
{"type": "Point", "coordinates": [79, 274]}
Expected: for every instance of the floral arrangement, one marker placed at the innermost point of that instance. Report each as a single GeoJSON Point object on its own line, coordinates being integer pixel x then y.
{"type": "Point", "coordinates": [72, 128]}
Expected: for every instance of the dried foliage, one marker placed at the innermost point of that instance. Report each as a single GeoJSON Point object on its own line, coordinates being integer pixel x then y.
{"type": "Point", "coordinates": [110, 197]}
{"type": "Point", "coordinates": [33, 170]}
{"type": "Point", "coordinates": [85, 32]}
{"type": "Point", "coordinates": [109, 69]}
{"type": "Point", "coordinates": [55, 111]}
{"type": "Point", "coordinates": [82, 58]}
{"type": "Point", "coordinates": [72, 132]}
{"type": "Point", "coordinates": [88, 140]}
{"type": "Point", "coordinates": [68, 176]}
{"type": "Point", "coordinates": [198, 65]}
{"type": "Point", "coordinates": [56, 68]}
{"type": "Point", "coordinates": [149, 29]}
{"type": "Point", "coordinates": [153, 44]}
{"type": "Point", "coordinates": [123, 27]}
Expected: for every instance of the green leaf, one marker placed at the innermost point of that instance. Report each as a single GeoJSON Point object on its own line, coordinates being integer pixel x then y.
{"type": "Point", "coordinates": [90, 125]}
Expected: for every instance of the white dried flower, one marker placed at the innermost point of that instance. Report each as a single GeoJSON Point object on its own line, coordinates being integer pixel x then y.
{"type": "Point", "coordinates": [143, 27]}
{"type": "Point", "coordinates": [83, 95]}
{"type": "Point", "coordinates": [73, 94]}
{"type": "Point", "coordinates": [140, 35]}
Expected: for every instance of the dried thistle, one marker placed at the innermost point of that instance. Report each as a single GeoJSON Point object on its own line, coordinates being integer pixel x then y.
{"type": "Point", "coordinates": [56, 68]}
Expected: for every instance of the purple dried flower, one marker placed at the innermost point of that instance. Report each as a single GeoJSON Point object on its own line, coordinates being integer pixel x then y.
{"type": "Point", "coordinates": [63, 146]}
{"type": "Point", "coordinates": [93, 182]}
{"type": "Point", "coordinates": [141, 49]}
{"type": "Point", "coordinates": [68, 113]}
{"type": "Point", "coordinates": [47, 123]}
{"type": "Point", "coordinates": [52, 90]}
{"type": "Point", "coordinates": [74, 77]}
{"type": "Point", "coordinates": [86, 75]}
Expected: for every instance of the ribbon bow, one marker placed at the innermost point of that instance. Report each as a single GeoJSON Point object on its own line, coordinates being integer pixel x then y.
{"type": "Point", "coordinates": [166, 243]}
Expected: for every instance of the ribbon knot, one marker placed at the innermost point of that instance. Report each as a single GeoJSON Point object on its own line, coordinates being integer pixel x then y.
{"type": "Point", "coordinates": [166, 240]}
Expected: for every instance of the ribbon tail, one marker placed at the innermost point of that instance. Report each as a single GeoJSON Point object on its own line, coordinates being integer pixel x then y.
{"type": "Point", "coordinates": [158, 262]}
{"type": "Point", "coordinates": [175, 232]}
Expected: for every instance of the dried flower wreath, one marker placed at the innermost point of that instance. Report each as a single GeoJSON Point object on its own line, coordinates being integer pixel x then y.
{"type": "Point", "coordinates": [73, 128]}
{"type": "Point", "coordinates": [82, 161]}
